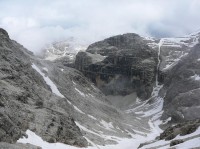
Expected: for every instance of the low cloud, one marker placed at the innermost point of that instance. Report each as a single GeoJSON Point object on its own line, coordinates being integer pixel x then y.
{"type": "Point", "coordinates": [37, 23]}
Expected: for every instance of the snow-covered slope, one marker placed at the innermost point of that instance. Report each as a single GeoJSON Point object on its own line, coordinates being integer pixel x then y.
{"type": "Point", "coordinates": [100, 122]}
{"type": "Point", "coordinates": [174, 49]}
{"type": "Point", "coordinates": [68, 48]}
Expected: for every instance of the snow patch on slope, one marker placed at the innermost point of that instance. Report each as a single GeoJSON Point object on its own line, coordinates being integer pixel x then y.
{"type": "Point", "coordinates": [38, 141]}
{"type": "Point", "coordinates": [107, 125]}
{"type": "Point", "coordinates": [68, 48]}
{"type": "Point", "coordinates": [54, 88]}
{"type": "Point", "coordinates": [92, 117]}
{"type": "Point", "coordinates": [77, 109]}
{"type": "Point", "coordinates": [48, 81]}
{"type": "Point", "coordinates": [173, 62]}
{"type": "Point", "coordinates": [81, 93]}
{"type": "Point", "coordinates": [195, 77]}
{"type": "Point", "coordinates": [123, 143]}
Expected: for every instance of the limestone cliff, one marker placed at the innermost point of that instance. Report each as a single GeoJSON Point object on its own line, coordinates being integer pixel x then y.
{"type": "Point", "coordinates": [120, 65]}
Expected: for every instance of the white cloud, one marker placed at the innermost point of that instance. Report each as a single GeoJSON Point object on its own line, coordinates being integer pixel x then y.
{"type": "Point", "coordinates": [36, 23]}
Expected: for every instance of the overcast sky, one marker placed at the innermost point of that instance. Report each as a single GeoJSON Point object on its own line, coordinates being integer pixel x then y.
{"type": "Point", "coordinates": [35, 23]}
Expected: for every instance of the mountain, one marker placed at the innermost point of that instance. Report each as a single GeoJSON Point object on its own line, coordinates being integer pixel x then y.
{"type": "Point", "coordinates": [68, 49]}
{"type": "Point", "coordinates": [54, 102]}
{"type": "Point", "coordinates": [178, 71]}
{"type": "Point", "coordinates": [126, 91]}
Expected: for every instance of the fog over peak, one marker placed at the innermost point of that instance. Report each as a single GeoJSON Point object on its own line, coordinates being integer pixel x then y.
{"type": "Point", "coordinates": [37, 23]}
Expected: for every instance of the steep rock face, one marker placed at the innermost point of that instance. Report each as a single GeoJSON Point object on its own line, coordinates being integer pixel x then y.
{"type": "Point", "coordinates": [172, 51]}
{"type": "Point", "coordinates": [182, 98]}
{"type": "Point", "coordinates": [178, 72]}
{"type": "Point", "coordinates": [26, 100]}
{"type": "Point", "coordinates": [179, 76]}
{"type": "Point", "coordinates": [120, 65]}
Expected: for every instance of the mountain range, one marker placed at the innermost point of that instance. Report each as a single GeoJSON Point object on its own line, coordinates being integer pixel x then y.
{"type": "Point", "coordinates": [124, 92]}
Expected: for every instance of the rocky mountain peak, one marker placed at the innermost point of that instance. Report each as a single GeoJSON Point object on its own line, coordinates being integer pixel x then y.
{"type": "Point", "coordinates": [3, 33]}
{"type": "Point", "coordinates": [4, 37]}
{"type": "Point", "coordinates": [118, 43]}
{"type": "Point", "coordinates": [67, 48]}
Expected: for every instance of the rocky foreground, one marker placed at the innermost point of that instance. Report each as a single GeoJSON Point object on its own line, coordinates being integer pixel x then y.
{"type": "Point", "coordinates": [125, 92]}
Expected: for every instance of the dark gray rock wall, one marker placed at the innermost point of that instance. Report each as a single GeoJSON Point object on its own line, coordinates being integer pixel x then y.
{"type": "Point", "coordinates": [129, 65]}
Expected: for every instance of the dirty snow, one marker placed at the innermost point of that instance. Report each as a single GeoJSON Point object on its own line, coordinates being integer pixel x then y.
{"type": "Point", "coordinates": [195, 77]}
{"type": "Point", "coordinates": [77, 109]}
{"type": "Point", "coordinates": [92, 117]}
{"type": "Point", "coordinates": [81, 93]}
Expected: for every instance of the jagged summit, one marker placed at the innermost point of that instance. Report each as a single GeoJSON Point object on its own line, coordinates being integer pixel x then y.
{"type": "Point", "coordinates": [119, 42]}
{"type": "Point", "coordinates": [3, 33]}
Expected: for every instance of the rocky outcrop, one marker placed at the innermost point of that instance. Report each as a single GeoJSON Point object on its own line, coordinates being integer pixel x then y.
{"type": "Point", "coordinates": [174, 135]}
{"type": "Point", "coordinates": [182, 97]}
{"type": "Point", "coordinates": [175, 142]}
{"type": "Point", "coordinates": [178, 72]}
{"type": "Point", "coordinates": [181, 129]}
{"type": "Point", "coordinates": [26, 100]}
{"type": "Point", "coordinates": [120, 65]}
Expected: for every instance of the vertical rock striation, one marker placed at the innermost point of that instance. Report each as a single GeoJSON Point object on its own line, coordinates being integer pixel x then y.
{"type": "Point", "coordinates": [120, 65]}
